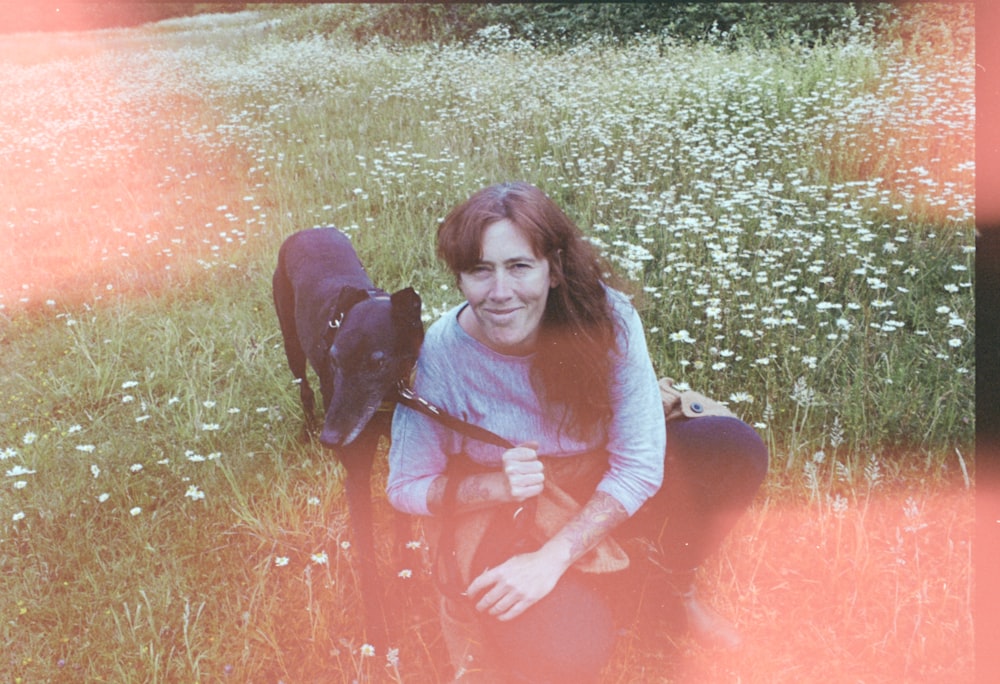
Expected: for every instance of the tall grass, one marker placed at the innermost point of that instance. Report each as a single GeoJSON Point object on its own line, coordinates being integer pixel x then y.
{"type": "Point", "coordinates": [796, 223]}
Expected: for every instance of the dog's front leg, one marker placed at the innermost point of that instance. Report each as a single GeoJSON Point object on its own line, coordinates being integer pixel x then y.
{"type": "Point", "coordinates": [308, 403]}
{"type": "Point", "coordinates": [357, 460]}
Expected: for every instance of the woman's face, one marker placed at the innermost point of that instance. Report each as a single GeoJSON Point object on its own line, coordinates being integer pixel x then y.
{"type": "Point", "coordinates": [506, 291]}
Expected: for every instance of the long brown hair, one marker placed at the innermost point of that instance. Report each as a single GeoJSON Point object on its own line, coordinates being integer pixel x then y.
{"type": "Point", "coordinates": [574, 360]}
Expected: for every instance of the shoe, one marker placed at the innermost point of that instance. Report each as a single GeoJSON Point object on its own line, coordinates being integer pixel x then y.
{"type": "Point", "coordinates": [688, 613]}
{"type": "Point", "coordinates": [707, 627]}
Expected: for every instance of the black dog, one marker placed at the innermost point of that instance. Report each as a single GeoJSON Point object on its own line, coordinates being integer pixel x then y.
{"type": "Point", "coordinates": [361, 342]}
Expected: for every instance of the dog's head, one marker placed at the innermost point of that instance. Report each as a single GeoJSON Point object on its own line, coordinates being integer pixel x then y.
{"type": "Point", "coordinates": [372, 345]}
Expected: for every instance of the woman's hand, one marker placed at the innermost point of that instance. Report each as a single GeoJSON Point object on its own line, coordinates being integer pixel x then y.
{"type": "Point", "coordinates": [515, 585]}
{"type": "Point", "coordinates": [525, 473]}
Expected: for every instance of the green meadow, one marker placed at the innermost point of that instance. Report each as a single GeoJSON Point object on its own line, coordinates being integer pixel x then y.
{"type": "Point", "coordinates": [795, 222]}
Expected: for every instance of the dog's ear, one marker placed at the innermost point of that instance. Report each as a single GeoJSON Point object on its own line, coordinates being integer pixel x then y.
{"type": "Point", "coordinates": [406, 305]}
{"type": "Point", "coordinates": [348, 297]}
{"type": "Point", "coordinates": [406, 312]}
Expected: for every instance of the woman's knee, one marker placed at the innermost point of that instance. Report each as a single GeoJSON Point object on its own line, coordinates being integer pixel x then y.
{"type": "Point", "coordinates": [717, 442]}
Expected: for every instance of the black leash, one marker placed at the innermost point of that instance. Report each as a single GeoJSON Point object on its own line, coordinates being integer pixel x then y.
{"type": "Point", "coordinates": [407, 397]}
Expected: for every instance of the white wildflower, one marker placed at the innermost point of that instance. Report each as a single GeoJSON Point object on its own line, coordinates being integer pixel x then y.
{"type": "Point", "coordinates": [18, 470]}
{"type": "Point", "coordinates": [839, 506]}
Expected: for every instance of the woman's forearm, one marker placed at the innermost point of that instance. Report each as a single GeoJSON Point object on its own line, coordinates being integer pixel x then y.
{"type": "Point", "coordinates": [595, 521]}
{"type": "Point", "coordinates": [475, 491]}
{"type": "Point", "coordinates": [521, 477]}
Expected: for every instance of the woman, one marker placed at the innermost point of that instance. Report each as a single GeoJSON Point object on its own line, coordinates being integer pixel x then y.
{"type": "Point", "coordinates": [545, 354]}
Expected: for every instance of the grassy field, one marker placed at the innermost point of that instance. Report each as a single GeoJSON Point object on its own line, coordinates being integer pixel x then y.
{"type": "Point", "coordinates": [797, 223]}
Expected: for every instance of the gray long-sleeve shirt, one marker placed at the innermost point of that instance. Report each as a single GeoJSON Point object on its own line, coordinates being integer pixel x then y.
{"type": "Point", "coordinates": [471, 381]}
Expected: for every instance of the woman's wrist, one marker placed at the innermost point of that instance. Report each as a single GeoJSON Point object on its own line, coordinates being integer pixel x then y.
{"type": "Point", "coordinates": [557, 552]}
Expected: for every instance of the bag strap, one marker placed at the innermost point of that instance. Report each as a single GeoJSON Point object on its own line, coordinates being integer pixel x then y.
{"type": "Point", "coordinates": [447, 574]}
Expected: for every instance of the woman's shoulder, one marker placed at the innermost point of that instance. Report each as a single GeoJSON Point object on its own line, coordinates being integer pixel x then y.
{"type": "Point", "coordinates": [621, 304]}
{"type": "Point", "coordinates": [443, 334]}
{"type": "Point", "coordinates": [618, 299]}
{"type": "Point", "coordinates": [628, 323]}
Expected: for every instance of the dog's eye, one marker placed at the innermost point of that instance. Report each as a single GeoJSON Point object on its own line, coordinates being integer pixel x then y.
{"type": "Point", "coordinates": [377, 360]}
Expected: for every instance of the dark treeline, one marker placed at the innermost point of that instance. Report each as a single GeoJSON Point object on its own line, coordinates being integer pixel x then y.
{"type": "Point", "coordinates": [753, 24]}
{"type": "Point", "coordinates": [738, 24]}
{"type": "Point", "coordinates": [559, 23]}
{"type": "Point", "coordinates": [567, 23]}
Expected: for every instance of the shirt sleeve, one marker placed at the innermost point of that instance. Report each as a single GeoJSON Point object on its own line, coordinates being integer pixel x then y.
{"type": "Point", "coordinates": [420, 447]}
{"type": "Point", "coordinates": [637, 438]}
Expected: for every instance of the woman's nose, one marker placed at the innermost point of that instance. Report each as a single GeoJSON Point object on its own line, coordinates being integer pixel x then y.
{"type": "Point", "coordinates": [501, 288]}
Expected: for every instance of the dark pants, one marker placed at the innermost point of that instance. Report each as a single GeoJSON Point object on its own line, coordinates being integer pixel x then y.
{"type": "Point", "coordinates": [713, 468]}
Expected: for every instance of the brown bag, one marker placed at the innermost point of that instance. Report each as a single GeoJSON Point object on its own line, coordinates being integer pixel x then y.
{"type": "Point", "coordinates": [688, 404]}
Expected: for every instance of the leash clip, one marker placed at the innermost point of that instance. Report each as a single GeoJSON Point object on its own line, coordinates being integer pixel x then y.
{"type": "Point", "coordinates": [404, 391]}
{"type": "Point", "coordinates": [408, 394]}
